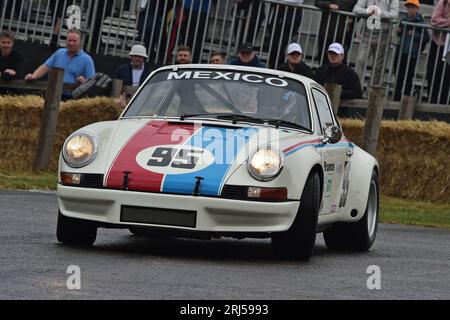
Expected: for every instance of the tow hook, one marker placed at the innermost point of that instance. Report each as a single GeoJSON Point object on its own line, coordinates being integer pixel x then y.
{"type": "Point", "coordinates": [126, 180]}
{"type": "Point", "coordinates": [197, 185]}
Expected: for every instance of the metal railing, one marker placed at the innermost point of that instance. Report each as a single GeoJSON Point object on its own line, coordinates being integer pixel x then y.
{"type": "Point", "coordinates": [112, 27]}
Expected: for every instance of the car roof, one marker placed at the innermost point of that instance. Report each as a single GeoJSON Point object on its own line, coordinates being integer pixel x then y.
{"type": "Point", "coordinates": [278, 73]}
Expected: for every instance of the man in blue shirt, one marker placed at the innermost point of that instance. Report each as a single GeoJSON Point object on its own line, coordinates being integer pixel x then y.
{"type": "Point", "coordinates": [78, 65]}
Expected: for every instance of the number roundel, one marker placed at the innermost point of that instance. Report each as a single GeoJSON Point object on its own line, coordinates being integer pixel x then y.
{"type": "Point", "coordinates": [172, 159]}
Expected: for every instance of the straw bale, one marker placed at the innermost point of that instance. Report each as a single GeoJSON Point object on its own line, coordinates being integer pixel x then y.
{"type": "Point", "coordinates": [413, 155]}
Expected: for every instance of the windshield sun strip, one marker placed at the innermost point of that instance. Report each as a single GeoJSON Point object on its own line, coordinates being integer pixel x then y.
{"type": "Point", "coordinates": [303, 85]}
{"type": "Point", "coordinates": [265, 123]}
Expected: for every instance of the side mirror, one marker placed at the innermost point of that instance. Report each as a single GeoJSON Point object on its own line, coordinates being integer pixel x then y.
{"type": "Point", "coordinates": [333, 134]}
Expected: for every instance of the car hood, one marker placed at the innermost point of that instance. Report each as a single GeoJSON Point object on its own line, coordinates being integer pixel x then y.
{"type": "Point", "coordinates": [174, 157]}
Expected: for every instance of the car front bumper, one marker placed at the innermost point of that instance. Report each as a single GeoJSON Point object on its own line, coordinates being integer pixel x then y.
{"type": "Point", "coordinates": [211, 214]}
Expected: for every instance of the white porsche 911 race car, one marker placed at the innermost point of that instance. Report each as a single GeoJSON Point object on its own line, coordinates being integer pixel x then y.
{"type": "Point", "coordinates": [208, 151]}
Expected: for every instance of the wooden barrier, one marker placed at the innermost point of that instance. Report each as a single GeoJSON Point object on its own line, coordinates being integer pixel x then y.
{"type": "Point", "coordinates": [24, 85]}
{"type": "Point", "coordinates": [374, 117]}
{"type": "Point", "coordinates": [395, 105]}
{"type": "Point", "coordinates": [334, 91]}
{"type": "Point", "coordinates": [117, 87]}
{"type": "Point", "coordinates": [407, 106]}
{"type": "Point", "coordinates": [49, 119]}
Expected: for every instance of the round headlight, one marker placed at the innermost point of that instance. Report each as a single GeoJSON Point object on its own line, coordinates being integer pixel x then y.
{"type": "Point", "coordinates": [265, 164]}
{"type": "Point", "coordinates": [79, 150]}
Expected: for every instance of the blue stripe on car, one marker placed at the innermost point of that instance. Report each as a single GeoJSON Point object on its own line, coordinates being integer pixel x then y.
{"type": "Point", "coordinates": [217, 141]}
{"type": "Point", "coordinates": [320, 145]}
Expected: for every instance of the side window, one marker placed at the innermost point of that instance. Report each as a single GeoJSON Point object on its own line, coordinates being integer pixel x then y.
{"type": "Point", "coordinates": [323, 109]}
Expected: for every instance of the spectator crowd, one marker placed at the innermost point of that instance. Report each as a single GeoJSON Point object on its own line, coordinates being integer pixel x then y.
{"type": "Point", "coordinates": [334, 41]}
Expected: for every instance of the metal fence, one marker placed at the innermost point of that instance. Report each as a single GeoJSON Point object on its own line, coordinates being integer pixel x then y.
{"type": "Point", "coordinates": [112, 27]}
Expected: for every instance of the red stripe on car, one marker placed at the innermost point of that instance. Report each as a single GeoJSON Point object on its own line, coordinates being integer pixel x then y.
{"type": "Point", "coordinates": [300, 144]}
{"type": "Point", "coordinates": [154, 133]}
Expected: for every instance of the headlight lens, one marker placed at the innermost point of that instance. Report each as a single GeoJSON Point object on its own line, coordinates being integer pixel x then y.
{"type": "Point", "coordinates": [265, 164]}
{"type": "Point", "coordinates": [79, 150]}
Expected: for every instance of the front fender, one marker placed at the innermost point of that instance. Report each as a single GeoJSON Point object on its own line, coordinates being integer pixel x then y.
{"type": "Point", "coordinates": [103, 131]}
{"type": "Point", "coordinates": [296, 170]}
{"type": "Point", "coordinates": [360, 175]}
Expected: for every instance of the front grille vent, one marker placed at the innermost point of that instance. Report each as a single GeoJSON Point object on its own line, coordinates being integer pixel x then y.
{"type": "Point", "coordinates": [89, 180]}
{"type": "Point", "coordinates": [235, 192]}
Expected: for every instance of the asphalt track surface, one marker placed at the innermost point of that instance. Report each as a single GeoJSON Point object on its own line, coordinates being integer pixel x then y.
{"type": "Point", "coordinates": [414, 263]}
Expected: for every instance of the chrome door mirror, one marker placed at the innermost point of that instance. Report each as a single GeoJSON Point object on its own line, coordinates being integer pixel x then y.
{"type": "Point", "coordinates": [333, 134]}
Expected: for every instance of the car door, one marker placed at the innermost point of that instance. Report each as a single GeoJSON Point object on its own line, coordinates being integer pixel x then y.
{"type": "Point", "coordinates": [335, 158]}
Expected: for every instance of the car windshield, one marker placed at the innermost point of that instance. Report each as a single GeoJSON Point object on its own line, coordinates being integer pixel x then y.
{"type": "Point", "coordinates": [223, 94]}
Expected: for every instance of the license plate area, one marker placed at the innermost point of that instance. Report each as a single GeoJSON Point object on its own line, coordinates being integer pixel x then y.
{"type": "Point", "coordinates": [159, 216]}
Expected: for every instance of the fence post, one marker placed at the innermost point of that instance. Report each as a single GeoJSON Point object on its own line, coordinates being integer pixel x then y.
{"type": "Point", "coordinates": [374, 117]}
{"type": "Point", "coordinates": [407, 107]}
{"type": "Point", "coordinates": [334, 91]}
{"type": "Point", "coordinates": [49, 119]}
{"type": "Point", "coordinates": [117, 88]}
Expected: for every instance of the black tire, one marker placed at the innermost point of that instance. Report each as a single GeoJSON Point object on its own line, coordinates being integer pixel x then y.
{"type": "Point", "coordinates": [298, 242]}
{"type": "Point", "coordinates": [357, 236]}
{"type": "Point", "coordinates": [75, 232]}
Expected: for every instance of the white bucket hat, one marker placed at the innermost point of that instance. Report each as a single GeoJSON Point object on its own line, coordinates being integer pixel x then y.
{"type": "Point", "coordinates": [138, 50]}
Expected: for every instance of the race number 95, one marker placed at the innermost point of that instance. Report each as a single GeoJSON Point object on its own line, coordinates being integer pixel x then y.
{"type": "Point", "coordinates": [168, 159]}
{"type": "Point", "coordinates": [178, 159]}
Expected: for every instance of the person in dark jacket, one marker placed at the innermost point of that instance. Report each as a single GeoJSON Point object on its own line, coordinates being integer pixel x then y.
{"type": "Point", "coordinates": [413, 39]}
{"type": "Point", "coordinates": [332, 22]}
{"type": "Point", "coordinates": [339, 73]}
{"type": "Point", "coordinates": [184, 55]}
{"type": "Point", "coordinates": [295, 62]}
{"type": "Point", "coordinates": [135, 72]}
{"type": "Point", "coordinates": [247, 57]}
{"type": "Point", "coordinates": [11, 61]}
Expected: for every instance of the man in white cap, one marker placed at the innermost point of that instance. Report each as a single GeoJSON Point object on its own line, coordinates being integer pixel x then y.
{"type": "Point", "coordinates": [295, 62]}
{"type": "Point", "coordinates": [135, 72]}
{"type": "Point", "coordinates": [339, 73]}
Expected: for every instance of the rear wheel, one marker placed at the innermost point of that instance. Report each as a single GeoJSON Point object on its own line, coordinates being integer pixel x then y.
{"type": "Point", "coordinates": [298, 242]}
{"type": "Point", "coordinates": [357, 236]}
{"type": "Point", "coordinates": [75, 232]}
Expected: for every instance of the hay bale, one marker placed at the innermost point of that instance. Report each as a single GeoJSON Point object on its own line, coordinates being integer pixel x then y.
{"type": "Point", "coordinates": [20, 119]}
{"type": "Point", "coordinates": [412, 154]}
{"type": "Point", "coordinates": [412, 157]}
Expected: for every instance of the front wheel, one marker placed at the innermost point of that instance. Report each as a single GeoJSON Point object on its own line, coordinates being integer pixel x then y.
{"type": "Point", "coordinates": [75, 232]}
{"type": "Point", "coordinates": [357, 236]}
{"type": "Point", "coordinates": [298, 242]}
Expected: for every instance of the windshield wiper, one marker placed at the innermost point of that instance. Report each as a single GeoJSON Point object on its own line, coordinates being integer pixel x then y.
{"type": "Point", "coordinates": [194, 115]}
{"type": "Point", "coordinates": [224, 116]}
{"type": "Point", "coordinates": [286, 123]}
{"type": "Point", "coordinates": [240, 117]}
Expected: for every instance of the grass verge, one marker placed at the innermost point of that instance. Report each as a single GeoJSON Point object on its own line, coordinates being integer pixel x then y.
{"type": "Point", "coordinates": [393, 210]}
{"type": "Point", "coordinates": [28, 180]}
